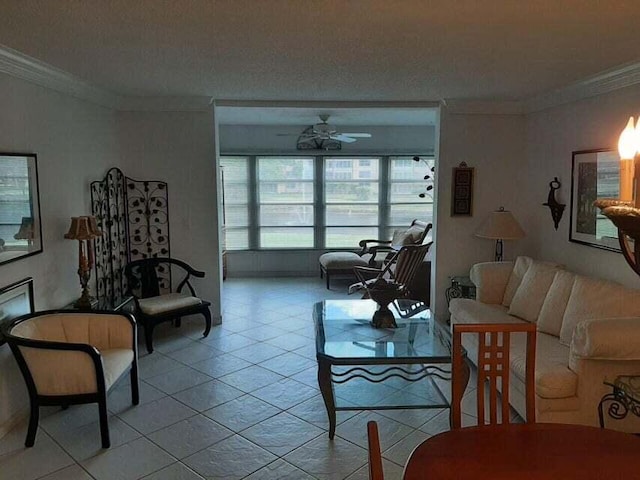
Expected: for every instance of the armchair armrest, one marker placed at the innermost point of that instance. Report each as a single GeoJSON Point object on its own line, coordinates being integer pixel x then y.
{"type": "Point", "coordinates": [607, 339]}
{"type": "Point", "coordinates": [365, 246]}
{"type": "Point", "coordinates": [490, 279]}
{"type": "Point", "coordinates": [58, 368]}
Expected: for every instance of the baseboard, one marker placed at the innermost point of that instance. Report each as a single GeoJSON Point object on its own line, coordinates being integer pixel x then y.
{"type": "Point", "coordinates": [13, 421]}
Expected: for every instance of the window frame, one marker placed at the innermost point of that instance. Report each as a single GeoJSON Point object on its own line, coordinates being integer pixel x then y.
{"type": "Point", "coordinates": [385, 228]}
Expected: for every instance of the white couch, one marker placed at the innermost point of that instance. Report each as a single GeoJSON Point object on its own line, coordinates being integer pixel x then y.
{"type": "Point", "coordinates": [588, 332]}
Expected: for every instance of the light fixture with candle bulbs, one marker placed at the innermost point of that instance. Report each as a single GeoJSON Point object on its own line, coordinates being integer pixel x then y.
{"type": "Point", "coordinates": [624, 211]}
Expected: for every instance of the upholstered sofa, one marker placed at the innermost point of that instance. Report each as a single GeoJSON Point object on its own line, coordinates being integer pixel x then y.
{"type": "Point", "coordinates": [588, 333]}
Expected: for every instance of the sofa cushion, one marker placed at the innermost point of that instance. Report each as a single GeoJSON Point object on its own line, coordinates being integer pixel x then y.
{"type": "Point", "coordinates": [555, 303]}
{"type": "Point", "coordinates": [591, 299]}
{"type": "Point", "coordinates": [554, 379]}
{"type": "Point", "coordinates": [517, 274]}
{"type": "Point", "coordinates": [465, 310]}
{"type": "Point", "coordinates": [532, 291]}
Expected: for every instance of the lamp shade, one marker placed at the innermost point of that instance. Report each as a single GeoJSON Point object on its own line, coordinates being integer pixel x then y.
{"type": "Point", "coordinates": [25, 232]}
{"type": "Point", "coordinates": [83, 228]}
{"type": "Point", "coordinates": [500, 225]}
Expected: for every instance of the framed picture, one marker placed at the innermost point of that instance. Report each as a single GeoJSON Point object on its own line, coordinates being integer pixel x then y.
{"type": "Point", "coordinates": [462, 191]}
{"type": "Point", "coordinates": [15, 300]}
{"type": "Point", "coordinates": [594, 174]}
{"type": "Point", "coordinates": [20, 228]}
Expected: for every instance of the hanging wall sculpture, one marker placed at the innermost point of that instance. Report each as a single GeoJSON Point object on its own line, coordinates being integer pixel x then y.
{"type": "Point", "coordinates": [134, 218]}
{"type": "Point", "coordinates": [556, 208]}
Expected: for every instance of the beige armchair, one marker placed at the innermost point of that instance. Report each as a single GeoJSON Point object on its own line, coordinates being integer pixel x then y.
{"type": "Point", "coordinates": [72, 357]}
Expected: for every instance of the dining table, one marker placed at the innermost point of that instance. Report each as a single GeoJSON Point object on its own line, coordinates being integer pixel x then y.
{"type": "Point", "coordinates": [530, 451]}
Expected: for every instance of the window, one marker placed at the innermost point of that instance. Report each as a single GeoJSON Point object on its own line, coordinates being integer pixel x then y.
{"type": "Point", "coordinates": [287, 202]}
{"type": "Point", "coordinates": [236, 201]}
{"type": "Point", "coordinates": [406, 183]}
{"type": "Point", "coordinates": [351, 200]}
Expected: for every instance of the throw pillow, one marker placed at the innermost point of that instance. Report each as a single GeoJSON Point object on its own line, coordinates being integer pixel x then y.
{"type": "Point", "coordinates": [592, 298]}
{"type": "Point", "coordinates": [519, 269]}
{"type": "Point", "coordinates": [555, 304]}
{"type": "Point", "coordinates": [414, 233]}
{"type": "Point", "coordinates": [400, 237]}
{"type": "Point", "coordinates": [532, 291]}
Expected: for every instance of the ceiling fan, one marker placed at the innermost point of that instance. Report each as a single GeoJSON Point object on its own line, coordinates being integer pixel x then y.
{"type": "Point", "coordinates": [323, 131]}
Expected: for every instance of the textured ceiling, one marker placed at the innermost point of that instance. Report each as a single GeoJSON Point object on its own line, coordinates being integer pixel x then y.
{"type": "Point", "coordinates": [368, 50]}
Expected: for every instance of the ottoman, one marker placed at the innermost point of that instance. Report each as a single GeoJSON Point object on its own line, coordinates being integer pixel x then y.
{"type": "Point", "coordinates": [340, 263]}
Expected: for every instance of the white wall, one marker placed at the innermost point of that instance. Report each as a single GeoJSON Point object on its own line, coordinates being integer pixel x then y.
{"type": "Point", "coordinates": [179, 148]}
{"type": "Point", "coordinates": [494, 146]}
{"type": "Point", "coordinates": [249, 139]}
{"type": "Point", "coordinates": [551, 137]}
{"type": "Point", "coordinates": [75, 142]}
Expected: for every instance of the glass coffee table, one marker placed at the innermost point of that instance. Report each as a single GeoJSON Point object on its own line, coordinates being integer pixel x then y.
{"type": "Point", "coordinates": [348, 348]}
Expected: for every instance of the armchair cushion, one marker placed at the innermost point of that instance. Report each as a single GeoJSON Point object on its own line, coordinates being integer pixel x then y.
{"type": "Point", "coordinates": [115, 362]}
{"type": "Point", "coordinates": [166, 303]}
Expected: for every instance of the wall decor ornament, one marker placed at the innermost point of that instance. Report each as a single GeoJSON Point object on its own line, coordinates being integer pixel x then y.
{"type": "Point", "coordinates": [16, 300]}
{"type": "Point", "coordinates": [20, 226]}
{"type": "Point", "coordinates": [557, 209]}
{"type": "Point", "coordinates": [594, 174]}
{"type": "Point", "coordinates": [462, 191]}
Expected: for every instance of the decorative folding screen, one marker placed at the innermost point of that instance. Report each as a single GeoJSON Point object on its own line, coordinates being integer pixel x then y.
{"type": "Point", "coordinates": [134, 218]}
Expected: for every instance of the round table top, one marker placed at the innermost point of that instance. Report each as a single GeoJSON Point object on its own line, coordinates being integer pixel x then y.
{"type": "Point", "coordinates": [526, 452]}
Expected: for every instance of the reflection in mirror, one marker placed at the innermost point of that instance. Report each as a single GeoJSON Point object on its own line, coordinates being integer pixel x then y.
{"type": "Point", "coordinates": [20, 232]}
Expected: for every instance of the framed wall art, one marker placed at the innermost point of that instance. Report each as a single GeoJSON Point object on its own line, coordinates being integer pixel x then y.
{"type": "Point", "coordinates": [594, 174]}
{"type": "Point", "coordinates": [16, 300]}
{"type": "Point", "coordinates": [20, 227]}
{"type": "Point", "coordinates": [462, 191]}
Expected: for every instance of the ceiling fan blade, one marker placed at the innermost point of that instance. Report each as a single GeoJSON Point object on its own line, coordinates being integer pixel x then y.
{"type": "Point", "coordinates": [357, 135]}
{"type": "Point", "coordinates": [343, 138]}
{"type": "Point", "coordinates": [307, 139]}
{"type": "Point", "coordinates": [287, 134]}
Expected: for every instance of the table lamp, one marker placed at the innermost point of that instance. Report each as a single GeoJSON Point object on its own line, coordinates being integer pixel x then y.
{"type": "Point", "coordinates": [85, 230]}
{"type": "Point", "coordinates": [499, 226]}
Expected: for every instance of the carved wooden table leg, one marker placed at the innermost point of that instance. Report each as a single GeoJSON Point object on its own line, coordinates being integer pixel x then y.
{"type": "Point", "coordinates": [326, 388]}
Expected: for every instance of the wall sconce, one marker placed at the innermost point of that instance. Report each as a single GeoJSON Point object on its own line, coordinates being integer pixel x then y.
{"type": "Point", "coordinates": [556, 208]}
{"type": "Point", "coordinates": [500, 225]}
{"type": "Point", "coordinates": [85, 230]}
{"type": "Point", "coordinates": [624, 212]}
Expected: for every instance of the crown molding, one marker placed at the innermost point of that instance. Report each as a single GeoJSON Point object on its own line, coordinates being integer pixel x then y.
{"type": "Point", "coordinates": [605, 82]}
{"type": "Point", "coordinates": [165, 104]}
{"type": "Point", "coordinates": [482, 107]}
{"type": "Point", "coordinates": [27, 68]}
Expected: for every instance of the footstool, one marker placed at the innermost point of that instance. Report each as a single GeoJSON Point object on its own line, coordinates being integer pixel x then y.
{"type": "Point", "coordinates": [339, 263]}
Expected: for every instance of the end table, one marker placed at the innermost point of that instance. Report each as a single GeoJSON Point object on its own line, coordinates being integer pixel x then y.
{"type": "Point", "coordinates": [461, 287]}
{"type": "Point", "coordinates": [624, 398]}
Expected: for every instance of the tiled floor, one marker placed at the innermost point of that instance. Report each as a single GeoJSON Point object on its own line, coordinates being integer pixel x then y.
{"type": "Point", "coordinates": [241, 403]}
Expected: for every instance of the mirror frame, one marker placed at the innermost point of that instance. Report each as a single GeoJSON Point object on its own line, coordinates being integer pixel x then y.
{"type": "Point", "coordinates": [10, 253]}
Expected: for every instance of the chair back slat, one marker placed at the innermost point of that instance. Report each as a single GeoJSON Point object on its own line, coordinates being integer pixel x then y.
{"type": "Point", "coordinates": [409, 259]}
{"type": "Point", "coordinates": [375, 456]}
{"type": "Point", "coordinates": [494, 354]}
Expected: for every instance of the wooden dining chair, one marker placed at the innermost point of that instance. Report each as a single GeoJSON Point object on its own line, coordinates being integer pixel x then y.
{"type": "Point", "coordinates": [375, 457]}
{"type": "Point", "coordinates": [494, 345]}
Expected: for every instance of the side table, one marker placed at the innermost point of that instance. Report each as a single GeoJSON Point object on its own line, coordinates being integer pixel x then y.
{"type": "Point", "coordinates": [461, 287]}
{"type": "Point", "coordinates": [624, 398]}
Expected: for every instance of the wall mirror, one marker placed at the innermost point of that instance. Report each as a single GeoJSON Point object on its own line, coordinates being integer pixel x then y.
{"type": "Point", "coordinates": [595, 174]}
{"type": "Point", "coordinates": [20, 229]}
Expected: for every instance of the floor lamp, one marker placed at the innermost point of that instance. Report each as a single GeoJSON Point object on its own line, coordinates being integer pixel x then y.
{"type": "Point", "coordinates": [500, 225]}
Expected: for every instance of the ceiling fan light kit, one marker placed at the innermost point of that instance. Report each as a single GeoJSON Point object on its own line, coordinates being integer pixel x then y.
{"type": "Point", "coordinates": [324, 136]}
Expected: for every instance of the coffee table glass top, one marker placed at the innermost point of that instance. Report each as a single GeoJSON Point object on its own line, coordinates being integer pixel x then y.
{"type": "Point", "coordinates": [344, 333]}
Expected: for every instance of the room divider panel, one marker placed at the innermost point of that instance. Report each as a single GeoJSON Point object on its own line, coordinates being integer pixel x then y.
{"type": "Point", "coordinates": [134, 218]}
